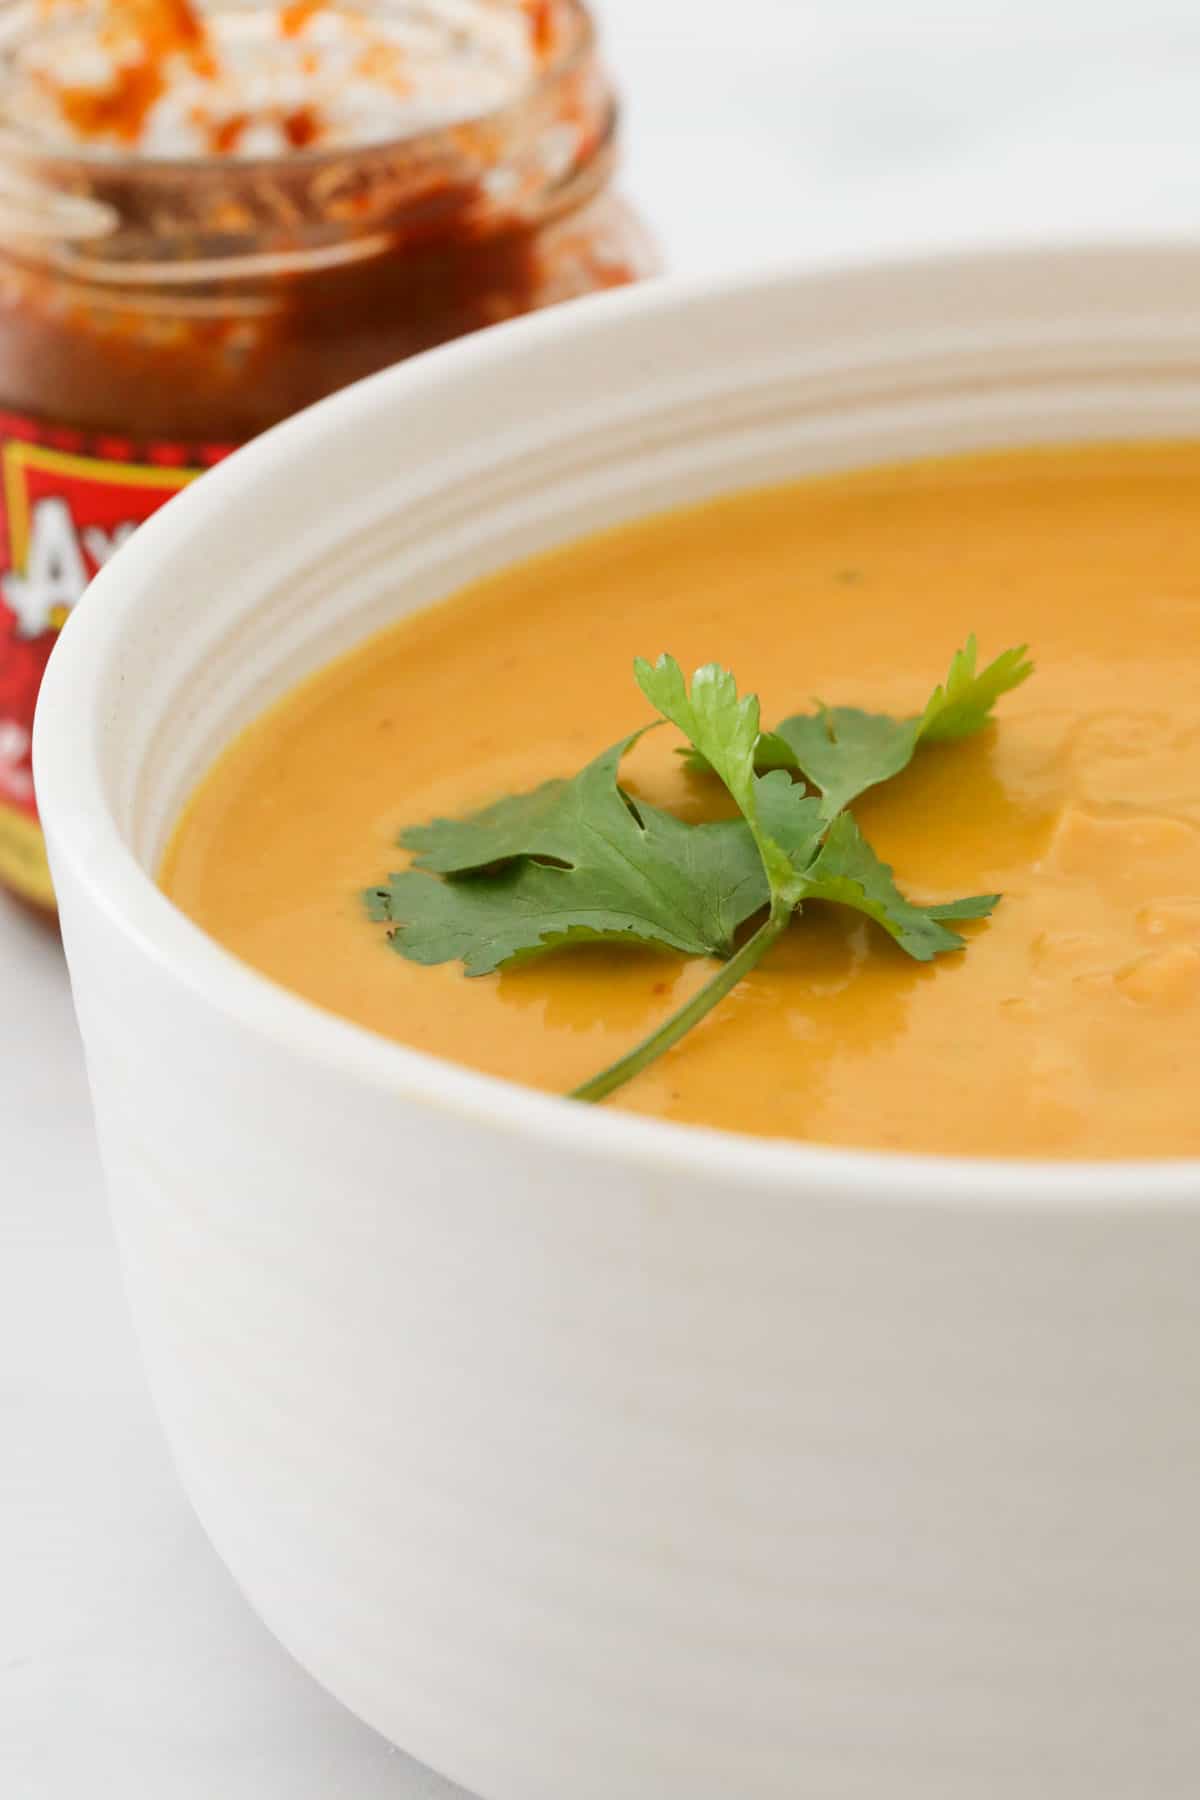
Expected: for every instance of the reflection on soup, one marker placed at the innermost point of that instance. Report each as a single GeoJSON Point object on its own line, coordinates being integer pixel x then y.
{"type": "Point", "coordinates": [1071, 1026]}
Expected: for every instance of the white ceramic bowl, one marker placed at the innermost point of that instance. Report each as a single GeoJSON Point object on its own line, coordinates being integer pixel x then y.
{"type": "Point", "coordinates": [587, 1458]}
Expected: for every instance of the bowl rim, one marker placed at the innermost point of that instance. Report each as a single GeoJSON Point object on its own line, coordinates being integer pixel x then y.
{"type": "Point", "coordinates": [85, 836]}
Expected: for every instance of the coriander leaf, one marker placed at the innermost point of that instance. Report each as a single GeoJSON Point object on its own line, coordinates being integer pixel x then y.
{"type": "Point", "coordinates": [843, 751]}
{"type": "Point", "coordinates": [976, 906]}
{"type": "Point", "coordinates": [964, 705]}
{"type": "Point", "coordinates": [848, 872]}
{"type": "Point", "coordinates": [539, 823]}
{"type": "Point", "coordinates": [770, 753]}
{"type": "Point", "coordinates": [615, 873]}
{"type": "Point", "coordinates": [791, 816]}
{"type": "Point", "coordinates": [725, 730]}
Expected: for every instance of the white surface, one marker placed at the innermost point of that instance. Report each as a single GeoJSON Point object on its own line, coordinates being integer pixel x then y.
{"type": "Point", "coordinates": [129, 1667]}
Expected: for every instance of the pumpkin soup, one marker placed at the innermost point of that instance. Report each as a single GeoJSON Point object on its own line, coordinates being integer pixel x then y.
{"type": "Point", "coordinates": [1069, 1026]}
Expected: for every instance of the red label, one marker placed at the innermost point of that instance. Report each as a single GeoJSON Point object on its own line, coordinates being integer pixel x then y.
{"type": "Point", "coordinates": [68, 501]}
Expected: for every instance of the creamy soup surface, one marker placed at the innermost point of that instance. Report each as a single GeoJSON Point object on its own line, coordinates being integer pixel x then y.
{"type": "Point", "coordinates": [1070, 1027]}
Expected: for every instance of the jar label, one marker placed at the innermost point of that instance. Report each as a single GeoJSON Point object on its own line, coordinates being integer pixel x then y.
{"type": "Point", "coordinates": [68, 501]}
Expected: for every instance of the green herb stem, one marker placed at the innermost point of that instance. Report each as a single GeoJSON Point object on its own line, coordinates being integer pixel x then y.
{"type": "Point", "coordinates": [698, 1007]}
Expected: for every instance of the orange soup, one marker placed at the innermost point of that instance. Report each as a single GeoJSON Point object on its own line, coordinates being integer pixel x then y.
{"type": "Point", "coordinates": [1069, 1026]}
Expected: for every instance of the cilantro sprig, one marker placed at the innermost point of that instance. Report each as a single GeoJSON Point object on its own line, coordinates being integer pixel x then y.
{"type": "Point", "coordinates": [580, 861]}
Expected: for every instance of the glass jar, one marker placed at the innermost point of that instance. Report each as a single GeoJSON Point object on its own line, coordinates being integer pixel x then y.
{"type": "Point", "coordinates": [160, 306]}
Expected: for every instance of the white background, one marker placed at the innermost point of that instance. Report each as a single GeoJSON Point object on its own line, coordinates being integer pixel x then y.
{"type": "Point", "coordinates": [757, 129]}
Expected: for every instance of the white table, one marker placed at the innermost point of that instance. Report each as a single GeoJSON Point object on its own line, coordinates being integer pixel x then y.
{"type": "Point", "coordinates": [130, 1669]}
